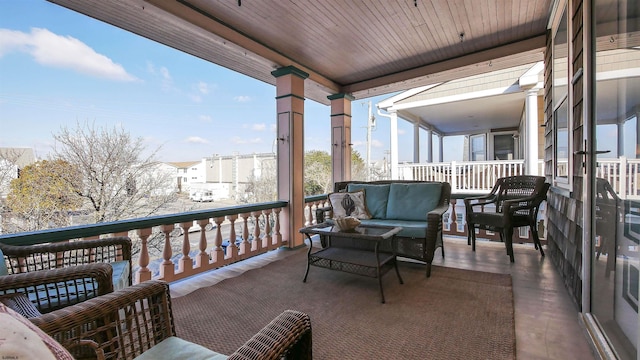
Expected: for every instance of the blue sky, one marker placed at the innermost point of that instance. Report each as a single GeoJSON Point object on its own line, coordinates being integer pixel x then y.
{"type": "Point", "coordinates": [58, 67]}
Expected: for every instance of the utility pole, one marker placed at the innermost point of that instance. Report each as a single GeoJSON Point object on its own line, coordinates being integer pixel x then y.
{"type": "Point", "coordinates": [370, 124]}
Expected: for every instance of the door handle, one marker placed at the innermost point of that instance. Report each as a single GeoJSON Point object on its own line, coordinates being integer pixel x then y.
{"type": "Point", "coordinates": [584, 155]}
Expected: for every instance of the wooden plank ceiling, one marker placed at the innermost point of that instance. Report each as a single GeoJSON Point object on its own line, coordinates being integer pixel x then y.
{"type": "Point", "coordinates": [365, 48]}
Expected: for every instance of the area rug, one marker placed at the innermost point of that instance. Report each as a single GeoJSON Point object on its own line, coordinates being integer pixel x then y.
{"type": "Point", "coordinates": [454, 314]}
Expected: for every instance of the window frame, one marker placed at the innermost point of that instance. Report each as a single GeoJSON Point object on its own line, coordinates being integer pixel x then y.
{"type": "Point", "coordinates": [561, 99]}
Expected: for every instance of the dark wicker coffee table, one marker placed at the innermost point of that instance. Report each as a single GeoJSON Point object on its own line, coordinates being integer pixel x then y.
{"type": "Point", "coordinates": [365, 260]}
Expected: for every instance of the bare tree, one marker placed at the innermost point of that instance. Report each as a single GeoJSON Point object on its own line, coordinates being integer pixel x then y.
{"type": "Point", "coordinates": [263, 188]}
{"type": "Point", "coordinates": [118, 181]}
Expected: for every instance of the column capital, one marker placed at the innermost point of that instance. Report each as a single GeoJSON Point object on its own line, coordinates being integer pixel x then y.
{"type": "Point", "coordinates": [341, 96]}
{"type": "Point", "coordinates": [289, 70]}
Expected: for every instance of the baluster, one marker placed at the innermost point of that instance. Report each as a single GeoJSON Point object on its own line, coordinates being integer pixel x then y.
{"type": "Point", "coordinates": [217, 255]}
{"type": "Point", "coordinates": [276, 227]}
{"type": "Point", "coordinates": [454, 218]}
{"type": "Point", "coordinates": [309, 214]}
{"type": "Point", "coordinates": [232, 249]}
{"type": "Point", "coordinates": [267, 229]}
{"type": "Point", "coordinates": [167, 269]}
{"type": "Point", "coordinates": [245, 245]}
{"type": "Point", "coordinates": [256, 231]}
{"type": "Point", "coordinates": [143, 274]}
{"type": "Point", "coordinates": [202, 258]}
{"type": "Point", "coordinates": [185, 262]}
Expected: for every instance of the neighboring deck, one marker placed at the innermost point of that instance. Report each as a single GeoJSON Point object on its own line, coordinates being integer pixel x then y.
{"type": "Point", "coordinates": [547, 321]}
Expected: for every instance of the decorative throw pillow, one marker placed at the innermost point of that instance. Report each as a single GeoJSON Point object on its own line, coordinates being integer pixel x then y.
{"type": "Point", "coordinates": [349, 204]}
{"type": "Point", "coordinates": [21, 304]}
{"type": "Point", "coordinates": [21, 339]}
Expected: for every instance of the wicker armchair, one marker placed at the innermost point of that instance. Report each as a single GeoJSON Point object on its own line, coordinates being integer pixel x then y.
{"type": "Point", "coordinates": [138, 321]}
{"type": "Point", "coordinates": [49, 290]}
{"type": "Point", "coordinates": [516, 200]}
{"type": "Point", "coordinates": [115, 251]}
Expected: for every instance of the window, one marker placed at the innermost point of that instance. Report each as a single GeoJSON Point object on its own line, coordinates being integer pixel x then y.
{"type": "Point", "coordinates": [478, 148]}
{"type": "Point", "coordinates": [504, 147]}
{"type": "Point", "coordinates": [561, 120]}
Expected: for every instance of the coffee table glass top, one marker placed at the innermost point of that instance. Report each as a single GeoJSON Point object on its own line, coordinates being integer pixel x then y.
{"type": "Point", "coordinates": [364, 231]}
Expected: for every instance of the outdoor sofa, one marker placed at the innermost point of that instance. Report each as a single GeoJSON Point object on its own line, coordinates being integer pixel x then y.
{"type": "Point", "coordinates": [416, 206]}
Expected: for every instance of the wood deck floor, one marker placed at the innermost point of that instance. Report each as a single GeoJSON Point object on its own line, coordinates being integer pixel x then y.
{"type": "Point", "coordinates": [547, 321]}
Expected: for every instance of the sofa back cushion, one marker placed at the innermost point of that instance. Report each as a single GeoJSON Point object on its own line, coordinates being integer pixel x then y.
{"type": "Point", "coordinates": [412, 201]}
{"type": "Point", "coordinates": [376, 197]}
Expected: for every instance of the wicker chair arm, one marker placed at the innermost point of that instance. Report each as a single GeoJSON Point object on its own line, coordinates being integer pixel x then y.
{"type": "Point", "coordinates": [480, 200]}
{"type": "Point", "coordinates": [289, 335]}
{"type": "Point", "coordinates": [524, 203]}
{"type": "Point", "coordinates": [141, 311]}
{"type": "Point", "coordinates": [65, 287]}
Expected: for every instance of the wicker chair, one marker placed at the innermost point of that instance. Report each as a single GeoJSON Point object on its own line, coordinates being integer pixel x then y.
{"type": "Point", "coordinates": [516, 200]}
{"type": "Point", "coordinates": [49, 290]}
{"type": "Point", "coordinates": [138, 321]}
{"type": "Point", "coordinates": [115, 251]}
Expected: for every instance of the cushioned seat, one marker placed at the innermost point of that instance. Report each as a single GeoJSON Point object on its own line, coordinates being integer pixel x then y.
{"type": "Point", "coordinates": [176, 348]}
{"type": "Point", "coordinates": [149, 332]}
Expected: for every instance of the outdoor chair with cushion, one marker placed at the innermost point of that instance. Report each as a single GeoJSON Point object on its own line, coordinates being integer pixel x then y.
{"type": "Point", "coordinates": [513, 202]}
{"type": "Point", "coordinates": [116, 251]}
{"type": "Point", "coordinates": [137, 322]}
{"type": "Point", "coordinates": [34, 293]}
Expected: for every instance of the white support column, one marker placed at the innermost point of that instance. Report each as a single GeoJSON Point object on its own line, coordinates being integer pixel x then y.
{"type": "Point", "coordinates": [393, 141]}
{"type": "Point", "coordinates": [441, 145]}
{"type": "Point", "coordinates": [620, 129]}
{"type": "Point", "coordinates": [429, 146]}
{"type": "Point", "coordinates": [416, 143]}
{"type": "Point", "coordinates": [531, 121]}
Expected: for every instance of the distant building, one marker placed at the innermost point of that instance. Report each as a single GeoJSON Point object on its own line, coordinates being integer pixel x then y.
{"type": "Point", "coordinates": [12, 160]}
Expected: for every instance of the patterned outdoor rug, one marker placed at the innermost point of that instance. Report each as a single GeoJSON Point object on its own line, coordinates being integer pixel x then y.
{"type": "Point", "coordinates": [454, 314]}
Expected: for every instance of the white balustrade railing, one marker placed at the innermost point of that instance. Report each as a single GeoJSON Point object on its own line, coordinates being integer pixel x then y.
{"type": "Point", "coordinates": [623, 174]}
{"type": "Point", "coordinates": [479, 176]}
{"type": "Point", "coordinates": [467, 176]}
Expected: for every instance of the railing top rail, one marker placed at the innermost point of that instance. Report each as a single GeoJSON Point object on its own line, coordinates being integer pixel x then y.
{"type": "Point", "coordinates": [82, 231]}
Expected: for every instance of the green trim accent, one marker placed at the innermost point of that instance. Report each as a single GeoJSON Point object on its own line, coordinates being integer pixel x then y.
{"type": "Point", "coordinates": [341, 96]}
{"type": "Point", "coordinates": [290, 70]}
{"type": "Point", "coordinates": [341, 114]}
{"type": "Point", "coordinates": [83, 231]}
{"type": "Point", "coordinates": [290, 95]}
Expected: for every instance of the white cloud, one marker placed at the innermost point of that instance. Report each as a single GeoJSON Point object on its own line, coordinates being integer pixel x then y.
{"type": "Point", "coordinates": [240, 141]}
{"type": "Point", "coordinates": [376, 143]}
{"type": "Point", "coordinates": [242, 98]}
{"type": "Point", "coordinates": [65, 52]}
{"type": "Point", "coordinates": [203, 87]}
{"type": "Point", "coordinates": [196, 98]}
{"type": "Point", "coordinates": [196, 140]}
{"type": "Point", "coordinates": [274, 127]}
{"type": "Point", "coordinates": [205, 118]}
{"type": "Point", "coordinates": [259, 127]}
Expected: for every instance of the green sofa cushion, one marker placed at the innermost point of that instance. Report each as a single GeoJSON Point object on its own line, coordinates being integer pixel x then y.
{"type": "Point", "coordinates": [375, 196]}
{"type": "Point", "coordinates": [410, 228]}
{"type": "Point", "coordinates": [412, 201]}
{"type": "Point", "coordinates": [176, 348]}
{"type": "Point", "coordinates": [3, 265]}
